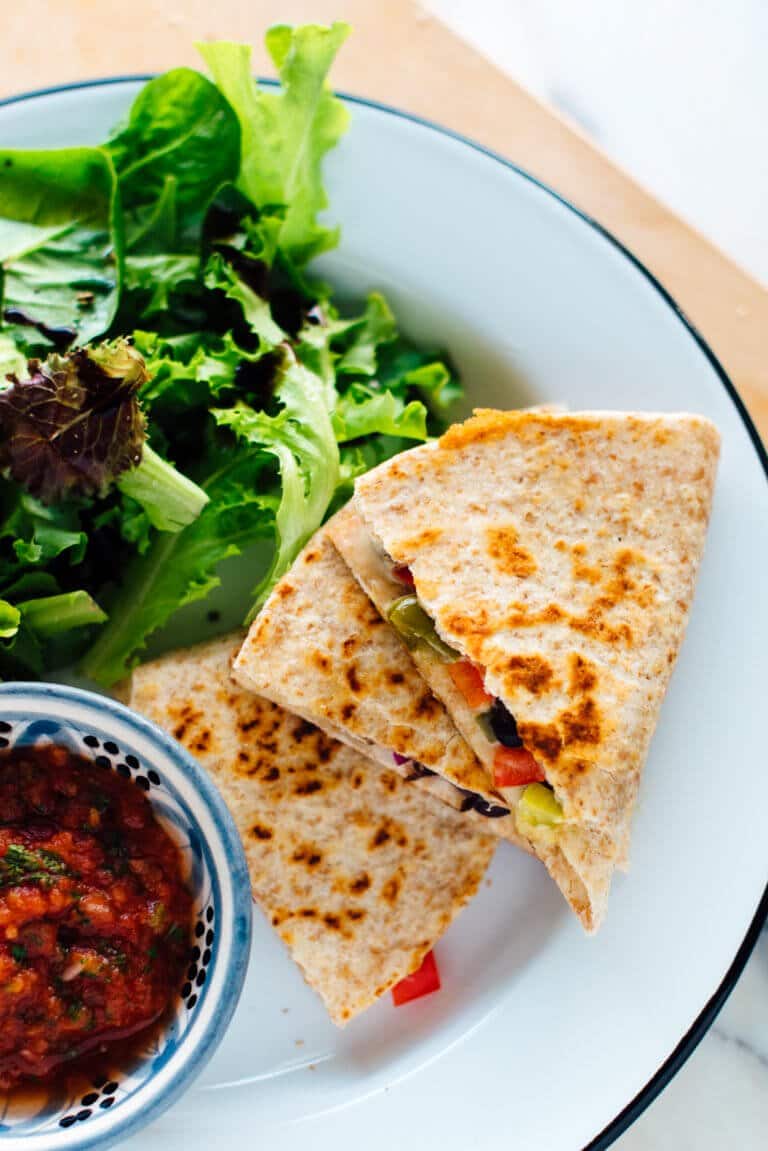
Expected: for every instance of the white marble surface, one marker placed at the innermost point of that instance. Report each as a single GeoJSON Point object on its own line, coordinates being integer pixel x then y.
{"type": "Point", "coordinates": [719, 1100]}
{"type": "Point", "coordinates": [676, 93]}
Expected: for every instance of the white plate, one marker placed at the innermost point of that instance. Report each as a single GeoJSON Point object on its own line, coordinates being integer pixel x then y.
{"type": "Point", "coordinates": [540, 1038]}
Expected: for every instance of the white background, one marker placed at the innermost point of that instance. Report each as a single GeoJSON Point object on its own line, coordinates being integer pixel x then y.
{"type": "Point", "coordinates": [675, 90]}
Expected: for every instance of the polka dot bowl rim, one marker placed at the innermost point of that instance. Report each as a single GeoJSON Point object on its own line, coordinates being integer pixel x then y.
{"type": "Point", "coordinates": [211, 828]}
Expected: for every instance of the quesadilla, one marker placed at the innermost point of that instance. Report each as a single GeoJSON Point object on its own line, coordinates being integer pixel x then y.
{"type": "Point", "coordinates": [357, 872]}
{"type": "Point", "coordinates": [541, 568]}
{"type": "Point", "coordinates": [319, 648]}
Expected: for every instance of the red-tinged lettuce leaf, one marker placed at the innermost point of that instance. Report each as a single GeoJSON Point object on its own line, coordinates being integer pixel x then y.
{"type": "Point", "coordinates": [75, 425]}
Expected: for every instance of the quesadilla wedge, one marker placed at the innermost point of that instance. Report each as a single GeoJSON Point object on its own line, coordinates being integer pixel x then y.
{"type": "Point", "coordinates": [357, 872]}
{"type": "Point", "coordinates": [541, 567]}
{"type": "Point", "coordinates": [319, 648]}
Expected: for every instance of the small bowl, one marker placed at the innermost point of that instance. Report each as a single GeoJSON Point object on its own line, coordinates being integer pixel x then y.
{"type": "Point", "coordinates": [121, 1098]}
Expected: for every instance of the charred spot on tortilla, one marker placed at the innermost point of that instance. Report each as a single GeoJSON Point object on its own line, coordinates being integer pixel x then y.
{"type": "Point", "coordinates": [429, 535]}
{"type": "Point", "coordinates": [308, 854]}
{"type": "Point", "coordinates": [259, 832]}
{"type": "Point", "coordinates": [391, 889]}
{"type": "Point", "coordinates": [302, 729]}
{"type": "Point", "coordinates": [308, 787]}
{"type": "Point", "coordinates": [582, 674]}
{"type": "Point", "coordinates": [360, 884]}
{"type": "Point", "coordinates": [543, 738]}
{"type": "Point", "coordinates": [352, 678]}
{"type": "Point", "coordinates": [246, 725]}
{"type": "Point", "coordinates": [203, 741]}
{"type": "Point", "coordinates": [473, 619]}
{"type": "Point", "coordinates": [581, 724]}
{"type": "Point", "coordinates": [595, 626]}
{"type": "Point", "coordinates": [532, 672]}
{"type": "Point", "coordinates": [426, 705]}
{"type": "Point", "coordinates": [186, 716]}
{"type": "Point", "coordinates": [509, 557]}
{"type": "Point", "coordinates": [580, 569]}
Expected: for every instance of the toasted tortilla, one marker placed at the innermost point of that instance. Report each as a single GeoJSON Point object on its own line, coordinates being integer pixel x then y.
{"type": "Point", "coordinates": [559, 553]}
{"type": "Point", "coordinates": [319, 648]}
{"type": "Point", "coordinates": [358, 872]}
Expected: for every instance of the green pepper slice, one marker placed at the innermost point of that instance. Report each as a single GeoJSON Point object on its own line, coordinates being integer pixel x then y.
{"type": "Point", "coordinates": [409, 619]}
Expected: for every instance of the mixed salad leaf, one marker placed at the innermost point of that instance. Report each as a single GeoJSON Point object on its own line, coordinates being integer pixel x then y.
{"type": "Point", "coordinates": [176, 387]}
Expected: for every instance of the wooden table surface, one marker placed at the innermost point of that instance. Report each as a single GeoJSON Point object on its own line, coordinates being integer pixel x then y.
{"type": "Point", "coordinates": [401, 56]}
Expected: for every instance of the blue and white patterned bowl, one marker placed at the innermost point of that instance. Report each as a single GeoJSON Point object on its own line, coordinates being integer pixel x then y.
{"type": "Point", "coordinates": [120, 1099]}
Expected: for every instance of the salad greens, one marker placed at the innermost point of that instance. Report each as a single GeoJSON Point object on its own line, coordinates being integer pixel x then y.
{"type": "Point", "coordinates": [177, 387]}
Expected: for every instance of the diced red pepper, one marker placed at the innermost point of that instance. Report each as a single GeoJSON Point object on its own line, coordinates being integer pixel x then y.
{"type": "Point", "coordinates": [469, 681]}
{"type": "Point", "coordinates": [421, 982]}
{"type": "Point", "coordinates": [404, 574]}
{"type": "Point", "coordinates": [515, 766]}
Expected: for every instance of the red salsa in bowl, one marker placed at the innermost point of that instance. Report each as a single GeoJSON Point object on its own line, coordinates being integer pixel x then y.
{"type": "Point", "coordinates": [95, 916]}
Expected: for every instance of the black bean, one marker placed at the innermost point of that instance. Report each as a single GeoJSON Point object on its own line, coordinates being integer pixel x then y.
{"type": "Point", "coordinates": [504, 726]}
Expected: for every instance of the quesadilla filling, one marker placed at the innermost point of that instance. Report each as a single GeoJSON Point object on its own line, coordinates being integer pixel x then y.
{"type": "Point", "coordinates": [464, 799]}
{"type": "Point", "coordinates": [517, 774]}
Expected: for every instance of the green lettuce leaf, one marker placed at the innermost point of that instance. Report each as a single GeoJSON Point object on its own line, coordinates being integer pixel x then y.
{"type": "Point", "coordinates": [40, 534]}
{"type": "Point", "coordinates": [404, 369]}
{"type": "Point", "coordinates": [179, 569]}
{"type": "Point", "coordinates": [360, 341]}
{"type": "Point", "coordinates": [153, 279]}
{"type": "Point", "coordinates": [178, 384]}
{"type": "Point", "coordinates": [221, 273]}
{"type": "Point", "coordinates": [60, 243]}
{"type": "Point", "coordinates": [169, 499]}
{"type": "Point", "coordinates": [53, 615]}
{"type": "Point", "coordinates": [383, 413]}
{"type": "Point", "coordinates": [11, 360]}
{"type": "Point", "coordinates": [180, 144]}
{"type": "Point", "coordinates": [302, 440]}
{"type": "Point", "coordinates": [285, 134]}
{"type": "Point", "coordinates": [10, 618]}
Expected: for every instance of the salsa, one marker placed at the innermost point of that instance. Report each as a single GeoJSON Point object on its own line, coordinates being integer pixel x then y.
{"type": "Point", "coordinates": [95, 917]}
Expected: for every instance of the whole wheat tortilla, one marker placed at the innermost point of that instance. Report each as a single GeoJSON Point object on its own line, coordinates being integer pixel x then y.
{"type": "Point", "coordinates": [559, 553]}
{"type": "Point", "coordinates": [319, 648]}
{"type": "Point", "coordinates": [357, 872]}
